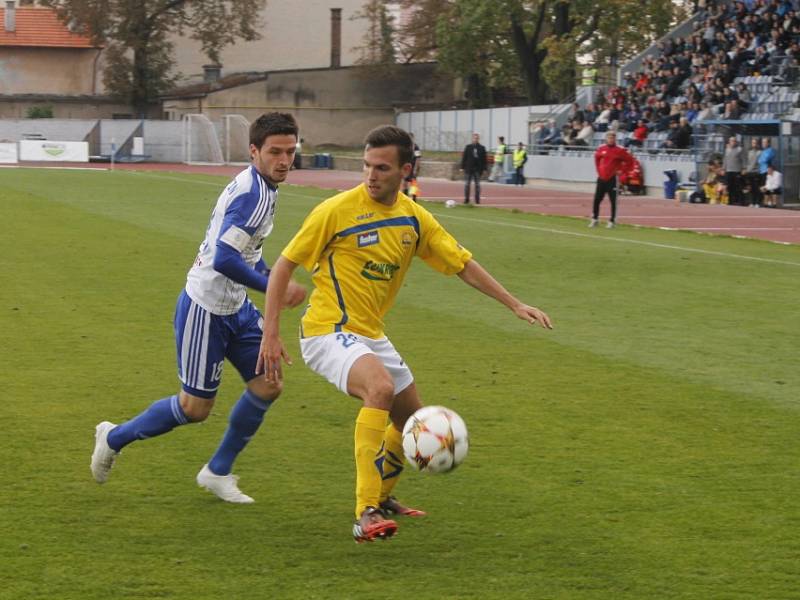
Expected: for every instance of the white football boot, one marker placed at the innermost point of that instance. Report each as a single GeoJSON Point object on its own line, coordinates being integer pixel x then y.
{"type": "Point", "coordinates": [223, 486]}
{"type": "Point", "coordinates": [103, 456]}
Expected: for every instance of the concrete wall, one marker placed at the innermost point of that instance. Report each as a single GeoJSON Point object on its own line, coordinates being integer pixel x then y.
{"type": "Point", "coordinates": [64, 107]}
{"type": "Point", "coordinates": [579, 167]}
{"type": "Point", "coordinates": [294, 35]}
{"type": "Point", "coordinates": [333, 106]}
{"type": "Point", "coordinates": [63, 71]}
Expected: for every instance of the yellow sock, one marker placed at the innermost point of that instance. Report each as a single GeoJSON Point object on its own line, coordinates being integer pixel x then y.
{"type": "Point", "coordinates": [370, 427]}
{"type": "Point", "coordinates": [392, 464]}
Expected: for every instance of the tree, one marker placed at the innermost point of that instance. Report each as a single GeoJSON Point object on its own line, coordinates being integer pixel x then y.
{"type": "Point", "coordinates": [533, 45]}
{"type": "Point", "coordinates": [470, 43]}
{"type": "Point", "coordinates": [135, 32]}
{"type": "Point", "coordinates": [416, 38]}
{"type": "Point", "coordinates": [377, 47]}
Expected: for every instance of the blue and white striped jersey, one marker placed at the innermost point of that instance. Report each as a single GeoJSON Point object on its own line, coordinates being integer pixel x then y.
{"type": "Point", "coordinates": [242, 218]}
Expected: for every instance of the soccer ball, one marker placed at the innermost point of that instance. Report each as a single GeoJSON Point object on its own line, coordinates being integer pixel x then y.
{"type": "Point", "coordinates": [435, 439]}
{"type": "Point", "coordinates": [450, 203]}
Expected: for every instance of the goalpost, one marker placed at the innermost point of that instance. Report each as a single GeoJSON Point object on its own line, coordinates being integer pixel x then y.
{"type": "Point", "coordinates": [236, 139]}
{"type": "Point", "coordinates": [200, 142]}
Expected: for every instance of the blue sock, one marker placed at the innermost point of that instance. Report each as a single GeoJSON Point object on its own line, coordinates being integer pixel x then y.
{"type": "Point", "coordinates": [160, 417]}
{"type": "Point", "coordinates": [245, 419]}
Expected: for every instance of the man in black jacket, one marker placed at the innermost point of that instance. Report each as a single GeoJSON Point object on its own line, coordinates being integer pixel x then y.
{"type": "Point", "coordinates": [473, 163]}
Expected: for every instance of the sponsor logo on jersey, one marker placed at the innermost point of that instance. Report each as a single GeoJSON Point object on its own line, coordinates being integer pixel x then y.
{"type": "Point", "coordinates": [362, 217]}
{"type": "Point", "coordinates": [379, 271]}
{"type": "Point", "coordinates": [368, 238]}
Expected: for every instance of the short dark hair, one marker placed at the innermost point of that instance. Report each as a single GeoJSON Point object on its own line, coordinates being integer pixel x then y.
{"type": "Point", "coordinates": [389, 135]}
{"type": "Point", "coordinates": [273, 123]}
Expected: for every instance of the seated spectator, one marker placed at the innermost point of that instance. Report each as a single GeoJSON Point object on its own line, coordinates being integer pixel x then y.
{"type": "Point", "coordinates": [772, 187]}
{"type": "Point", "coordinates": [671, 142]}
{"type": "Point", "coordinates": [685, 132]}
{"type": "Point", "coordinates": [732, 112]}
{"type": "Point", "coordinates": [692, 112]}
{"type": "Point", "coordinates": [553, 135]}
{"type": "Point", "coordinates": [639, 135]}
{"type": "Point", "coordinates": [603, 119]}
{"type": "Point", "coordinates": [584, 136]}
{"type": "Point", "coordinates": [547, 133]}
{"type": "Point", "coordinates": [576, 114]}
{"type": "Point", "coordinates": [745, 97]}
{"type": "Point", "coordinates": [714, 187]}
{"type": "Point", "coordinates": [708, 112]}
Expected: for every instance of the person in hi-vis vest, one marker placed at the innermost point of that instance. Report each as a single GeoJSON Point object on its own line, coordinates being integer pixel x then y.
{"type": "Point", "coordinates": [520, 158]}
{"type": "Point", "coordinates": [499, 157]}
{"type": "Point", "coordinates": [589, 76]}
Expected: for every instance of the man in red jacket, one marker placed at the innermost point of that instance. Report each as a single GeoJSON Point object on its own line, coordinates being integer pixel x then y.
{"type": "Point", "coordinates": [609, 159]}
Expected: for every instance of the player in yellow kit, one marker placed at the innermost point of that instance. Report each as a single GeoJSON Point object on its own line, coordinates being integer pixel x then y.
{"type": "Point", "coordinates": [358, 246]}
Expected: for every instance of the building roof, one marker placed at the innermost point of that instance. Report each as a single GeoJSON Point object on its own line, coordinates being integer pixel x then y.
{"type": "Point", "coordinates": [41, 28]}
{"type": "Point", "coordinates": [199, 90]}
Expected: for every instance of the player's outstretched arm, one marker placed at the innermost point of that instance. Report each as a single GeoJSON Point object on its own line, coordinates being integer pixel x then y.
{"type": "Point", "coordinates": [272, 350]}
{"type": "Point", "coordinates": [479, 278]}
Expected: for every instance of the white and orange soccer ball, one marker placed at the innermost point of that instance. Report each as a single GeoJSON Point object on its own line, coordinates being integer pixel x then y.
{"type": "Point", "coordinates": [435, 439]}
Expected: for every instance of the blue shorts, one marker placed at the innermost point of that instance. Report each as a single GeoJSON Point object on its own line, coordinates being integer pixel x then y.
{"type": "Point", "coordinates": [204, 340]}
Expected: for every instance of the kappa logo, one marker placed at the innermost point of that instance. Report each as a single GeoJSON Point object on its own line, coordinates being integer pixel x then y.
{"type": "Point", "coordinates": [368, 238]}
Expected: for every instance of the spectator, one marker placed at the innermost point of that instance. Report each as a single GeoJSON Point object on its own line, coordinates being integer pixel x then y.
{"type": "Point", "coordinates": [772, 187]}
{"type": "Point", "coordinates": [733, 163]}
{"type": "Point", "coordinates": [732, 112]}
{"type": "Point", "coordinates": [765, 159]}
{"type": "Point", "coordinates": [576, 114]}
{"type": "Point", "coordinates": [603, 119]}
{"type": "Point", "coordinates": [752, 178]}
{"type": "Point", "coordinates": [639, 135]}
{"type": "Point", "coordinates": [552, 137]}
{"type": "Point", "coordinates": [714, 187]}
{"type": "Point", "coordinates": [584, 135]}
{"type": "Point", "coordinates": [473, 164]}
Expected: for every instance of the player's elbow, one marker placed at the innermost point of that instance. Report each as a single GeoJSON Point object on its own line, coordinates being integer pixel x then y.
{"type": "Point", "coordinates": [224, 258]}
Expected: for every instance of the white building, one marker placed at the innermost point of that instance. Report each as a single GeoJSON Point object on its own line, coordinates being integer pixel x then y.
{"type": "Point", "coordinates": [295, 34]}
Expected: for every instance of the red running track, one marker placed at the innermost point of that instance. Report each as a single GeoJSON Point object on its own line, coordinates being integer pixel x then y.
{"type": "Point", "coordinates": [761, 223]}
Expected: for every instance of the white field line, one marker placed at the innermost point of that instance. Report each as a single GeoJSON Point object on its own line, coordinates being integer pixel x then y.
{"type": "Point", "coordinates": [534, 228]}
{"type": "Point", "coordinates": [621, 240]}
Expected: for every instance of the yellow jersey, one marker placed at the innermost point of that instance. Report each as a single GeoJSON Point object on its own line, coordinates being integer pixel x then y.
{"type": "Point", "coordinates": [358, 252]}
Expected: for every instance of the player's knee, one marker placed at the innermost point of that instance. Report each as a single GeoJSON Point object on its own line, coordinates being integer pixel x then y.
{"type": "Point", "coordinates": [380, 393]}
{"type": "Point", "coordinates": [195, 408]}
{"type": "Point", "coordinates": [266, 390]}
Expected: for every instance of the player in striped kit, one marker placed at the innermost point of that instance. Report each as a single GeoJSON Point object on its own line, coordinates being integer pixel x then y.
{"type": "Point", "coordinates": [215, 320]}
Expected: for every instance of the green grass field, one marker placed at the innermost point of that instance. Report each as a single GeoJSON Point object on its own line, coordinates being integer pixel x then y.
{"type": "Point", "coordinates": [645, 448]}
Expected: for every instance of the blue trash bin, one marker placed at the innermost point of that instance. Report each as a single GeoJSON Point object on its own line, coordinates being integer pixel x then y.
{"type": "Point", "coordinates": [671, 184]}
